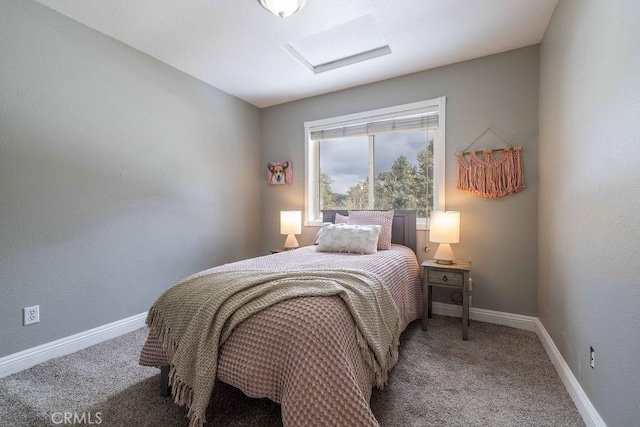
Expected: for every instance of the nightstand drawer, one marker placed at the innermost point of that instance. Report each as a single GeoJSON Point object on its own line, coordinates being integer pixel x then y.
{"type": "Point", "coordinates": [445, 277]}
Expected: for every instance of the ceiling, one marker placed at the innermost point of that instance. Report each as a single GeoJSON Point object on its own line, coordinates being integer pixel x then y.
{"type": "Point", "coordinates": [240, 48]}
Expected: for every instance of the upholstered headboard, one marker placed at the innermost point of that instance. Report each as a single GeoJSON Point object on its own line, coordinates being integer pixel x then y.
{"type": "Point", "coordinates": [403, 228]}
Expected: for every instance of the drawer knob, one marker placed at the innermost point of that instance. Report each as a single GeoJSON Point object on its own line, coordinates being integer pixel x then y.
{"type": "Point", "coordinates": [444, 278]}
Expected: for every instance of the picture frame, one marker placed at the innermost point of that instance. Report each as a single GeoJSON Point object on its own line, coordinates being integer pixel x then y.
{"type": "Point", "coordinates": [279, 173]}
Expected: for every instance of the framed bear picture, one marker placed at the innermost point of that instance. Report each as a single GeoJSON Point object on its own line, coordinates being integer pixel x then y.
{"type": "Point", "coordinates": [280, 172]}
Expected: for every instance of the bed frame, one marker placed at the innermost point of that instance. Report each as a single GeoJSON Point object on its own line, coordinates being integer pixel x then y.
{"type": "Point", "coordinates": [403, 232]}
{"type": "Point", "coordinates": [403, 228]}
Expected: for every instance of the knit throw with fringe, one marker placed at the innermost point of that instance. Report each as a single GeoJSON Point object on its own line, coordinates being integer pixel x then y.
{"type": "Point", "coordinates": [491, 177]}
{"type": "Point", "coordinates": [195, 317]}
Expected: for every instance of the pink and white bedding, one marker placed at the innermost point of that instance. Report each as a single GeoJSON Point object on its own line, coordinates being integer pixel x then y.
{"type": "Point", "coordinates": [302, 353]}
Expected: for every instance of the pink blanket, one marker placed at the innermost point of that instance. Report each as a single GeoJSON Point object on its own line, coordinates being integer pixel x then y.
{"type": "Point", "coordinates": [302, 353]}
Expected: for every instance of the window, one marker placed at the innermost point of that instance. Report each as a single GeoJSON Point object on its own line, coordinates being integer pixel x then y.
{"type": "Point", "coordinates": [392, 158]}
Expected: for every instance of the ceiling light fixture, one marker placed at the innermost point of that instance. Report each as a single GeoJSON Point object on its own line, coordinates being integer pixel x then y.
{"type": "Point", "coordinates": [282, 8]}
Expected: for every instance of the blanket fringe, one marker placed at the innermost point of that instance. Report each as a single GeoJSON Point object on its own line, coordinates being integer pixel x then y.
{"type": "Point", "coordinates": [156, 322]}
{"type": "Point", "coordinates": [181, 392]}
{"type": "Point", "coordinates": [196, 421]}
{"type": "Point", "coordinates": [183, 396]}
{"type": "Point", "coordinates": [381, 372]}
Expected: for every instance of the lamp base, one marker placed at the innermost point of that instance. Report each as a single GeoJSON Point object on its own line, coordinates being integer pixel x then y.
{"type": "Point", "coordinates": [444, 254]}
{"type": "Point", "coordinates": [291, 242]}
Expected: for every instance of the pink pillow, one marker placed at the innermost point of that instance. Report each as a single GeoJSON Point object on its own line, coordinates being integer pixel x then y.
{"type": "Point", "coordinates": [341, 219]}
{"type": "Point", "coordinates": [383, 218]}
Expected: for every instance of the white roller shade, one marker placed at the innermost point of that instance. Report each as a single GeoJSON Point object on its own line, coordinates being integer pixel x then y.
{"type": "Point", "coordinates": [428, 120]}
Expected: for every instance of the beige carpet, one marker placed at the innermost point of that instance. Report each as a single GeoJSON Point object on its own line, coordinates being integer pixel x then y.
{"type": "Point", "coordinates": [500, 377]}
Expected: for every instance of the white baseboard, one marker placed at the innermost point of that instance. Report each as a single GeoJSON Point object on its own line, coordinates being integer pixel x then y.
{"type": "Point", "coordinates": [589, 414]}
{"type": "Point", "coordinates": [26, 359]}
{"type": "Point", "coordinates": [517, 321]}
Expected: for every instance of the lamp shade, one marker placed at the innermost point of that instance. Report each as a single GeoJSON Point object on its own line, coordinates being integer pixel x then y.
{"type": "Point", "coordinates": [290, 222]}
{"type": "Point", "coordinates": [282, 8]}
{"type": "Point", "coordinates": [444, 227]}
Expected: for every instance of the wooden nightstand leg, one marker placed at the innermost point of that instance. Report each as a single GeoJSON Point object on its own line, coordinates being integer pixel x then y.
{"type": "Point", "coordinates": [425, 303]}
{"type": "Point", "coordinates": [465, 311]}
{"type": "Point", "coordinates": [427, 299]}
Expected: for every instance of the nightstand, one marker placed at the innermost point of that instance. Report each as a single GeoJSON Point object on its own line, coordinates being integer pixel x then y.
{"type": "Point", "coordinates": [452, 276]}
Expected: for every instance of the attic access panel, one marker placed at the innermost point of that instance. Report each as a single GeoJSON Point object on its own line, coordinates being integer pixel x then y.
{"type": "Point", "coordinates": [345, 44]}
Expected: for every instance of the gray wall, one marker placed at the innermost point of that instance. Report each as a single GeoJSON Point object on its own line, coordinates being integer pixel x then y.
{"type": "Point", "coordinates": [589, 287]}
{"type": "Point", "coordinates": [498, 236]}
{"type": "Point", "coordinates": [118, 174]}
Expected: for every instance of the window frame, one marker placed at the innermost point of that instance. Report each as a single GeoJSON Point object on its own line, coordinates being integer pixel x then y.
{"type": "Point", "coordinates": [312, 214]}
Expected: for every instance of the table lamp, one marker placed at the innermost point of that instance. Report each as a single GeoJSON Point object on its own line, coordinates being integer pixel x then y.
{"type": "Point", "coordinates": [290, 224]}
{"type": "Point", "coordinates": [444, 228]}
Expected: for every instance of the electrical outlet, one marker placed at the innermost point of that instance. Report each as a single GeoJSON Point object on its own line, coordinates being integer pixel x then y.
{"type": "Point", "coordinates": [593, 358]}
{"type": "Point", "coordinates": [31, 314]}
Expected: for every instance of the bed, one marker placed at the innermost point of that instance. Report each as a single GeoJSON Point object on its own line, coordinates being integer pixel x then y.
{"type": "Point", "coordinates": [305, 352]}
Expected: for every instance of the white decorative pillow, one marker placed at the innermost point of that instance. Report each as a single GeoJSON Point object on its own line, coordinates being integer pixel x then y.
{"type": "Point", "coordinates": [357, 239]}
{"type": "Point", "coordinates": [319, 233]}
{"type": "Point", "coordinates": [339, 219]}
{"type": "Point", "coordinates": [382, 218]}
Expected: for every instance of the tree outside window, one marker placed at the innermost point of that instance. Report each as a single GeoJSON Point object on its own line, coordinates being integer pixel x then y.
{"type": "Point", "coordinates": [402, 167]}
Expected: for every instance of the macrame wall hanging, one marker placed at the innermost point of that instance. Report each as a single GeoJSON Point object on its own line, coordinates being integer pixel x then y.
{"type": "Point", "coordinates": [492, 175]}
